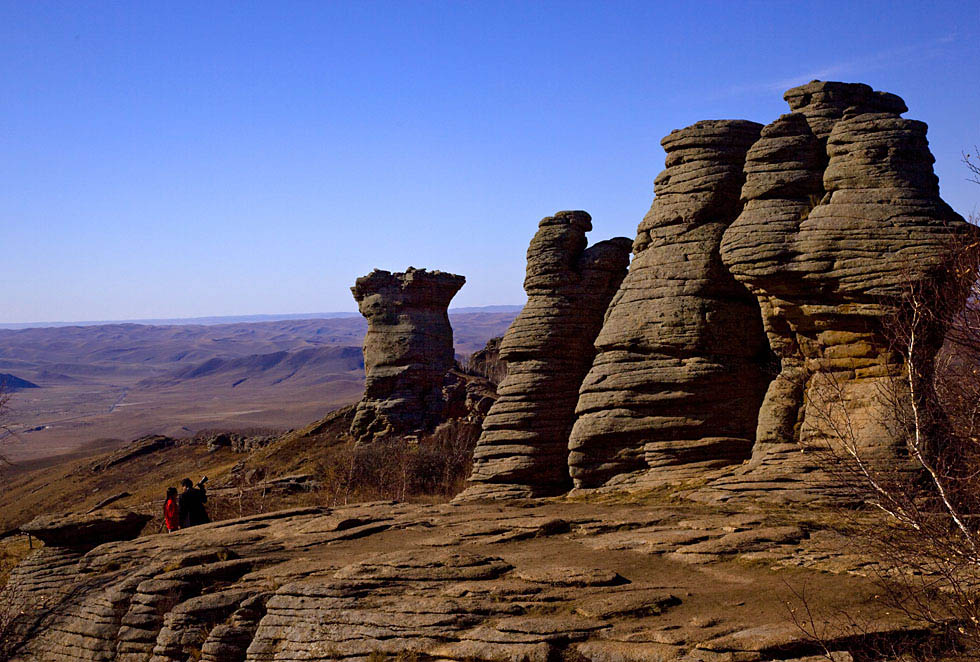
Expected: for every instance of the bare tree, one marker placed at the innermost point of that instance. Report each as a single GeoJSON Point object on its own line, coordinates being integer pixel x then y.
{"type": "Point", "coordinates": [972, 162]}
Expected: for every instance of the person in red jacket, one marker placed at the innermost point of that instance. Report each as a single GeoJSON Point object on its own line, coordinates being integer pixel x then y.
{"type": "Point", "coordinates": [171, 511]}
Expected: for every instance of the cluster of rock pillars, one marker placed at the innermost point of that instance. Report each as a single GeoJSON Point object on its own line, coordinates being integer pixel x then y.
{"type": "Point", "coordinates": [766, 268]}
{"type": "Point", "coordinates": [768, 262]}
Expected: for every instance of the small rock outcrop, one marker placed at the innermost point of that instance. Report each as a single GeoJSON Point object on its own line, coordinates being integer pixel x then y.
{"type": "Point", "coordinates": [408, 350]}
{"type": "Point", "coordinates": [86, 531]}
{"type": "Point", "coordinates": [548, 349]}
{"type": "Point", "coordinates": [136, 448]}
{"type": "Point", "coordinates": [842, 214]}
{"type": "Point", "coordinates": [681, 364]}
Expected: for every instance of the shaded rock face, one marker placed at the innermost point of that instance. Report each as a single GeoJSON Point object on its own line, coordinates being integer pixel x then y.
{"type": "Point", "coordinates": [548, 349]}
{"type": "Point", "coordinates": [487, 362]}
{"type": "Point", "coordinates": [408, 350]}
{"type": "Point", "coordinates": [681, 364]}
{"type": "Point", "coordinates": [842, 212]}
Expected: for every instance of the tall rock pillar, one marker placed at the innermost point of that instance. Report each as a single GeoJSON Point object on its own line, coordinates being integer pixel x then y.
{"type": "Point", "coordinates": [523, 450]}
{"type": "Point", "coordinates": [408, 350]}
{"type": "Point", "coordinates": [842, 215]}
{"type": "Point", "coordinates": [682, 357]}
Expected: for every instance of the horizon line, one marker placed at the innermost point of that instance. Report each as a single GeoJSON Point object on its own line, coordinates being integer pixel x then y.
{"type": "Point", "coordinates": [209, 320]}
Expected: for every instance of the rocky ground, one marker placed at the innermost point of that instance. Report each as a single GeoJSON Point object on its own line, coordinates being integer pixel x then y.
{"type": "Point", "coordinates": [538, 581]}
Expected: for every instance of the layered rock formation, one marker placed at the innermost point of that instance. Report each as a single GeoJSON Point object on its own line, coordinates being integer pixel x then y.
{"type": "Point", "coordinates": [681, 364]}
{"type": "Point", "coordinates": [773, 252]}
{"type": "Point", "coordinates": [842, 216]}
{"type": "Point", "coordinates": [408, 350]}
{"type": "Point", "coordinates": [547, 350]}
{"type": "Point", "coordinates": [532, 582]}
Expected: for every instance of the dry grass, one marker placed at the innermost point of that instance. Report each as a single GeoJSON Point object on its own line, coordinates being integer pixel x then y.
{"type": "Point", "coordinates": [433, 468]}
{"type": "Point", "coordinates": [74, 486]}
{"type": "Point", "coordinates": [430, 469]}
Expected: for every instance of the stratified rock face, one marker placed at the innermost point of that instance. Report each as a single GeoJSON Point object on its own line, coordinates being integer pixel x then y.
{"type": "Point", "coordinates": [842, 212]}
{"type": "Point", "coordinates": [679, 374]}
{"type": "Point", "coordinates": [408, 350]}
{"type": "Point", "coordinates": [548, 349]}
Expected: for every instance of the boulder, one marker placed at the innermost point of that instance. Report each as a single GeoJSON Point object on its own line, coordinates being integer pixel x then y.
{"type": "Point", "coordinates": [548, 349]}
{"type": "Point", "coordinates": [408, 350]}
{"type": "Point", "coordinates": [682, 357]}
{"type": "Point", "coordinates": [86, 531]}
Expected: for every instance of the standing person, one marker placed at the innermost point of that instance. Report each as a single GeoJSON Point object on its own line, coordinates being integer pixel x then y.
{"type": "Point", "coordinates": [191, 503]}
{"type": "Point", "coordinates": [171, 511]}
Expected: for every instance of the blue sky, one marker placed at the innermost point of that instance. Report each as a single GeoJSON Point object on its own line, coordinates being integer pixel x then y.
{"type": "Point", "coordinates": [172, 159]}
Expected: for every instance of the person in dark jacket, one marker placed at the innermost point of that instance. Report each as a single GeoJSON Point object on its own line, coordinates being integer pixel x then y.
{"type": "Point", "coordinates": [191, 503]}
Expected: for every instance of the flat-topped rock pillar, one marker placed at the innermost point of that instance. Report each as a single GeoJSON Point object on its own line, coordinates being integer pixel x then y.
{"type": "Point", "coordinates": [408, 350]}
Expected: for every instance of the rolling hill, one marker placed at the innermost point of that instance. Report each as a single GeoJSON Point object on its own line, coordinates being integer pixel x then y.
{"type": "Point", "coordinates": [123, 380]}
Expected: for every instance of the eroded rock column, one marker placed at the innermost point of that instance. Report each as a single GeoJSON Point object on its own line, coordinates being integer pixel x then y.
{"type": "Point", "coordinates": [681, 364]}
{"type": "Point", "coordinates": [548, 349]}
{"type": "Point", "coordinates": [842, 213]}
{"type": "Point", "coordinates": [408, 350]}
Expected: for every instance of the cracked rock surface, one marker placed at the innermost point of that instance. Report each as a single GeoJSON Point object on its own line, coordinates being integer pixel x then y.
{"type": "Point", "coordinates": [495, 581]}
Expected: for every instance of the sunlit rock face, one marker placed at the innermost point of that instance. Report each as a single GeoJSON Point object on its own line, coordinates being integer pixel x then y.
{"type": "Point", "coordinates": [408, 350]}
{"type": "Point", "coordinates": [682, 356]}
{"type": "Point", "coordinates": [841, 216]}
{"type": "Point", "coordinates": [523, 450]}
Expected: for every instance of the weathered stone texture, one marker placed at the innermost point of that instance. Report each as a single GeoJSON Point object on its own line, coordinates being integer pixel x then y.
{"type": "Point", "coordinates": [533, 581]}
{"type": "Point", "coordinates": [842, 212]}
{"type": "Point", "coordinates": [548, 349]}
{"type": "Point", "coordinates": [679, 373]}
{"type": "Point", "coordinates": [408, 350]}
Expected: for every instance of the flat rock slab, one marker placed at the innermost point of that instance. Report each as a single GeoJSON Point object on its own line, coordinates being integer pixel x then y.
{"type": "Point", "coordinates": [746, 541]}
{"type": "Point", "coordinates": [633, 604]}
{"type": "Point", "coordinates": [569, 576]}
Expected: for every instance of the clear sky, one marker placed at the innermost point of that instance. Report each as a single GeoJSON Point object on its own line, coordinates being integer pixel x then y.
{"type": "Point", "coordinates": [172, 159]}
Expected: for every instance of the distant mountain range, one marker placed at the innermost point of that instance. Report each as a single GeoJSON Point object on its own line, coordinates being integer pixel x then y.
{"type": "Point", "coordinates": [237, 319]}
{"type": "Point", "coordinates": [124, 380]}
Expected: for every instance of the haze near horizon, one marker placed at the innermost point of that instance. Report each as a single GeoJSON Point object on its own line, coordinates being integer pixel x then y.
{"type": "Point", "coordinates": [173, 160]}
